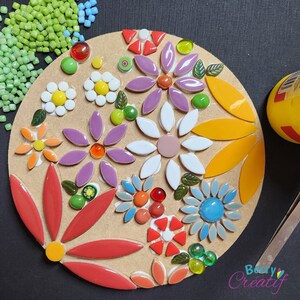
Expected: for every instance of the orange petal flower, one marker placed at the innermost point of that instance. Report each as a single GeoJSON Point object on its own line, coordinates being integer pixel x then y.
{"type": "Point", "coordinates": [32, 160]}
{"type": "Point", "coordinates": [53, 142]}
{"type": "Point", "coordinates": [27, 134]}
{"type": "Point", "coordinates": [23, 149]}
{"type": "Point", "coordinates": [42, 131]}
{"type": "Point", "coordinates": [50, 155]}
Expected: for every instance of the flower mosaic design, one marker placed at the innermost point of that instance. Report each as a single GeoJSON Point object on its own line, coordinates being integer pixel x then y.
{"type": "Point", "coordinates": [101, 88]}
{"type": "Point", "coordinates": [58, 99]}
{"type": "Point", "coordinates": [36, 144]}
{"type": "Point", "coordinates": [166, 230]}
{"type": "Point", "coordinates": [168, 145]}
{"type": "Point", "coordinates": [55, 249]}
{"type": "Point", "coordinates": [210, 210]}
{"type": "Point", "coordinates": [164, 80]}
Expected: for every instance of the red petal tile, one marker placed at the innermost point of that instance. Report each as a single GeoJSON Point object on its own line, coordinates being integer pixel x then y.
{"type": "Point", "coordinates": [157, 247]}
{"type": "Point", "coordinates": [136, 47]}
{"type": "Point", "coordinates": [178, 275]}
{"type": "Point", "coordinates": [157, 37]}
{"type": "Point", "coordinates": [128, 35]}
{"type": "Point", "coordinates": [88, 216]}
{"type": "Point", "coordinates": [158, 271]}
{"type": "Point", "coordinates": [142, 280]}
{"type": "Point", "coordinates": [171, 249]}
{"type": "Point", "coordinates": [180, 238]}
{"type": "Point", "coordinates": [27, 208]}
{"type": "Point", "coordinates": [149, 48]}
{"type": "Point", "coordinates": [100, 275]}
{"type": "Point", "coordinates": [152, 235]}
{"type": "Point", "coordinates": [161, 223]}
{"type": "Point", "coordinates": [175, 224]}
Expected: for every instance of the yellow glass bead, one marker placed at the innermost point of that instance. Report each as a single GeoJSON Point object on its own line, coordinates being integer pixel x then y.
{"type": "Point", "coordinates": [196, 266]}
{"type": "Point", "coordinates": [38, 145]}
{"type": "Point", "coordinates": [97, 62]}
{"type": "Point", "coordinates": [55, 251]}
{"type": "Point", "coordinates": [101, 88]}
{"type": "Point", "coordinates": [185, 46]}
{"type": "Point", "coordinates": [59, 98]}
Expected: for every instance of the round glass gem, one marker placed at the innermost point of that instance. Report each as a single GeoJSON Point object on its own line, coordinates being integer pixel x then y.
{"type": "Point", "coordinates": [156, 209]}
{"type": "Point", "coordinates": [158, 194]}
{"type": "Point", "coordinates": [211, 209]}
{"type": "Point", "coordinates": [168, 145]}
{"type": "Point", "coordinates": [200, 101]}
{"type": "Point", "coordinates": [69, 65]}
{"type": "Point", "coordinates": [77, 201]}
{"type": "Point", "coordinates": [142, 216]}
{"type": "Point", "coordinates": [89, 192]}
{"type": "Point", "coordinates": [130, 113]}
{"type": "Point", "coordinates": [59, 98]}
{"type": "Point", "coordinates": [196, 266]}
{"type": "Point", "coordinates": [164, 81]}
{"type": "Point", "coordinates": [97, 151]}
{"type": "Point", "coordinates": [97, 62]}
{"type": "Point", "coordinates": [185, 46]}
{"type": "Point", "coordinates": [125, 64]}
{"type": "Point", "coordinates": [196, 250]}
{"type": "Point", "coordinates": [117, 116]}
{"type": "Point", "coordinates": [210, 258]}
{"type": "Point", "coordinates": [101, 88]}
{"type": "Point", "coordinates": [38, 145]}
{"type": "Point", "coordinates": [80, 51]}
{"type": "Point", "coordinates": [55, 251]}
{"type": "Point", "coordinates": [140, 198]}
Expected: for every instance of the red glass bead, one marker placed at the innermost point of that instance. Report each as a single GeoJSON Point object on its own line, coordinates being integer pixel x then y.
{"type": "Point", "coordinates": [142, 216]}
{"type": "Point", "coordinates": [156, 209]}
{"type": "Point", "coordinates": [158, 194]}
{"type": "Point", "coordinates": [80, 52]}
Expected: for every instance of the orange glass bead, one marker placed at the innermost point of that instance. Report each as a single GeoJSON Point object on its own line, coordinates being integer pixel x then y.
{"type": "Point", "coordinates": [97, 151]}
{"type": "Point", "coordinates": [140, 198]}
{"type": "Point", "coordinates": [164, 81]}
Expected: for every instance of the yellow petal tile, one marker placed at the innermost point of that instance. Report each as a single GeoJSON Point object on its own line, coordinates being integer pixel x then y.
{"type": "Point", "coordinates": [50, 155]}
{"type": "Point", "coordinates": [42, 131]}
{"type": "Point", "coordinates": [230, 156]}
{"type": "Point", "coordinates": [53, 142]}
{"type": "Point", "coordinates": [224, 129]}
{"type": "Point", "coordinates": [230, 98]}
{"type": "Point", "coordinates": [252, 172]}
{"type": "Point", "coordinates": [23, 149]}
{"type": "Point", "coordinates": [32, 160]}
{"type": "Point", "coordinates": [27, 134]}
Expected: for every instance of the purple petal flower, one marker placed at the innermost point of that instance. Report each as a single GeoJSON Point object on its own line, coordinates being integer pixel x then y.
{"type": "Point", "coordinates": [140, 84]}
{"type": "Point", "coordinates": [73, 158]}
{"type": "Point", "coordinates": [120, 156]}
{"type": "Point", "coordinates": [178, 99]}
{"type": "Point", "coordinates": [167, 57]}
{"type": "Point", "coordinates": [190, 84]}
{"type": "Point", "coordinates": [96, 125]}
{"type": "Point", "coordinates": [152, 101]}
{"type": "Point", "coordinates": [108, 173]}
{"type": "Point", "coordinates": [115, 135]}
{"type": "Point", "coordinates": [146, 65]}
{"type": "Point", "coordinates": [186, 64]}
{"type": "Point", "coordinates": [85, 174]}
{"type": "Point", "coordinates": [76, 137]}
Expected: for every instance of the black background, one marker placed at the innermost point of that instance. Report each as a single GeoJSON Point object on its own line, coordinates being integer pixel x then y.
{"type": "Point", "coordinates": [259, 41]}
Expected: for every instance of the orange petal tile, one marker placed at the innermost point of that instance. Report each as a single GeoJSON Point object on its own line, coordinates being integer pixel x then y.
{"type": "Point", "coordinates": [23, 149]}
{"type": "Point", "coordinates": [252, 172]}
{"type": "Point", "coordinates": [50, 155]}
{"type": "Point", "coordinates": [32, 160]}
{"type": "Point", "coordinates": [42, 131]}
{"type": "Point", "coordinates": [53, 142]}
{"type": "Point", "coordinates": [142, 280]}
{"type": "Point", "coordinates": [178, 275]}
{"type": "Point", "coordinates": [158, 271]}
{"type": "Point", "coordinates": [27, 134]}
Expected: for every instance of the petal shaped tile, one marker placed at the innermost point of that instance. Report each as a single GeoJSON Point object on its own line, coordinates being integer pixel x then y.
{"type": "Point", "coordinates": [150, 166]}
{"type": "Point", "coordinates": [146, 65]}
{"type": "Point", "coordinates": [167, 57]}
{"type": "Point", "coordinates": [148, 127]}
{"type": "Point", "coordinates": [167, 117]}
{"type": "Point", "coordinates": [151, 101]}
{"type": "Point", "coordinates": [186, 64]}
{"type": "Point", "coordinates": [196, 143]}
{"type": "Point", "coordinates": [192, 163]}
{"type": "Point", "coordinates": [188, 122]}
{"type": "Point", "coordinates": [173, 174]}
{"type": "Point", "coordinates": [140, 84]}
{"type": "Point", "coordinates": [141, 147]}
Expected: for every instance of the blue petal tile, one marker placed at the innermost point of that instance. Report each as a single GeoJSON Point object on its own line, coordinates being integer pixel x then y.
{"type": "Point", "coordinates": [221, 231]}
{"type": "Point", "coordinates": [197, 193]}
{"type": "Point", "coordinates": [229, 197]}
{"type": "Point", "coordinates": [123, 207]}
{"type": "Point", "coordinates": [228, 225]}
{"type": "Point", "coordinates": [204, 232]}
{"type": "Point", "coordinates": [212, 234]}
{"type": "Point", "coordinates": [233, 215]}
{"type": "Point", "coordinates": [196, 227]}
{"type": "Point", "coordinates": [233, 206]}
{"type": "Point", "coordinates": [128, 186]}
{"type": "Point", "coordinates": [214, 187]}
{"type": "Point", "coordinates": [223, 190]}
{"type": "Point", "coordinates": [137, 182]}
{"type": "Point", "coordinates": [124, 196]}
{"type": "Point", "coordinates": [148, 183]}
{"type": "Point", "coordinates": [191, 201]}
{"type": "Point", "coordinates": [190, 218]}
{"type": "Point", "coordinates": [129, 214]}
{"type": "Point", "coordinates": [205, 188]}
{"type": "Point", "coordinates": [189, 209]}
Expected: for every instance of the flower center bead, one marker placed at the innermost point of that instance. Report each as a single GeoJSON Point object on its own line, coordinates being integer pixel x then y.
{"type": "Point", "coordinates": [97, 151]}
{"type": "Point", "coordinates": [140, 198]}
{"type": "Point", "coordinates": [101, 88]}
{"type": "Point", "coordinates": [55, 251]}
{"type": "Point", "coordinates": [212, 209]}
{"type": "Point", "coordinates": [164, 81]}
{"type": "Point", "coordinates": [167, 235]}
{"type": "Point", "coordinates": [38, 145]}
{"type": "Point", "coordinates": [168, 145]}
{"type": "Point", "coordinates": [59, 98]}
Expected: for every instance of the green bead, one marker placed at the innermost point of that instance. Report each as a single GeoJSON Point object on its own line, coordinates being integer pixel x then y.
{"type": "Point", "coordinates": [210, 258]}
{"type": "Point", "coordinates": [200, 101]}
{"type": "Point", "coordinates": [117, 116]}
{"type": "Point", "coordinates": [185, 46]}
{"type": "Point", "coordinates": [69, 186]}
{"type": "Point", "coordinates": [2, 118]}
{"type": "Point", "coordinates": [89, 192]}
{"type": "Point", "coordinates": [125, 64]}
{"type": "Point", "coordinates": [77, 201]}
{"type": "Point", "coordinates": [196, 250]}
{"type": "Point", "coordinates": [130, 113]}
{"type": "Point", "coordinates": [196, 266]}
{"type": "Point", "coordinates": [48, 59]}
{"type": "Point", "coordinates": [69, 65]}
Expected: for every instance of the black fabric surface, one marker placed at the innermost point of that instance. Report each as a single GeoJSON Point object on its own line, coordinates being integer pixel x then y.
{"type": "Point", "coordinates": [259, 41]}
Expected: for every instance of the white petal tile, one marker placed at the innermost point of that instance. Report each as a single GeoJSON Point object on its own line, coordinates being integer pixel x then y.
{"type": "Point", "coordinates": [150, 166]}
{"type": "Point", "coordinates": [192, 163]}
{"type": "Point", "coordinates": [141, 147]}
{"type": "Point", "coordinates": [212, 234]}
{"type": "Point", "coordinates": [167, 118]}
{"type": "Point", "coordinates": [173, 174]}
{"type": "Point", "coordinates": [197, 143]}
{"type": "Point", "coordinates": [221, 231]}
{"type": "Point", "coordinates": [148, 127]}
{"type": "Point", "coordinates": [188, 122]}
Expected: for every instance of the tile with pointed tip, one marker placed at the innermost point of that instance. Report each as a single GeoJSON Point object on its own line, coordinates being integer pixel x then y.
{"type": "Point", "coordinates": [151, 101]}
{"type": "Point", "coordinates": [115, 135]}
{"type": "Point", "coordinates": [150, 166]}
{"type": "Point", "coordinates": [167, 117]}
{"type": "Point", "coordinates": [196, 143]}
{"type": "Point", "coordinates": [188, 122]}
{"type": "Point", "coordinates": [192, 163]}
{"type": "Point", "coordinates": [146, 65]}
{"type": "Point", "coordinates": [148, 127]}
{"type": "Point", "coordinates": [173, 174]}
{"type": "Point", "coordinates": [76, 137]}
{"type": "Point", "coordinates": [149, 48]}
{"type": "Point", "coordinates": [167, 57]}
{"type": "Point", "coordinates": [186, 64]}
{"type": "Point", "coordinates": [141, 147]}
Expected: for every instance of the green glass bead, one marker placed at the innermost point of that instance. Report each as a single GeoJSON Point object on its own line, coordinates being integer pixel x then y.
{"type": "Point", "coordinates": [77, 201]}
{"type": "Point", "coordinates": [200, 101]}
{"type": "Point", "coordinates": [130, 113]}
{"type": "Point", "coordinates": [89, 192]}
{"type": "Point", "coordinates": [210, 258]}
{"type": "Point", "coordinates": [69, 65]}
{"type": "Point", "coordinates": [196, 266]}
{"type": "Point", "coordinates": [196, 250]}
{"type": "Point", "coordinates": [185, 46]}
{"type": "Point", "coordinates": [117, 116]}
{"type": "Point", "coordinates": [69, 186]}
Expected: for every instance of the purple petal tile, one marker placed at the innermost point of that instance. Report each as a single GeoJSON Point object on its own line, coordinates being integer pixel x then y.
{"type": "Point", "coordinates": [108, 173]}
{"type": "Point", "coordinates": [115, 135]}
{"type": "Point", "coordinates": [73, 158]}
{"type": "Point", "coordinates": [178, 99]}
{"type": "Point", "coordinates": [85, 174]}
{"type": "Point", "coordinates": [167, 57]}
{"type": "Point", "coordinates": [190, 84]}
{"type": "Point", "coordinates": [152, 101]}
{"type": "Point", "coordinates": [186, 64]}
{"type": "Point", "coordinates": [96, 126]}
{"type": "Point", "coordinates": [146, 65]}
{"type": "Point", "coordinates": [76, 137]}
{"type": "Point", "coordinates": [120, 156]}
{"type": "Point", "coordinates": [140, 84]}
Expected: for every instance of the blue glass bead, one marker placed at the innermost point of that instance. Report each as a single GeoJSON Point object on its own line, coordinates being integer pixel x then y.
{"type": "Point", "coordinates": [211, 210]}
{"type": "Point", "coordinates": [95, 10]}
{"type": "Point", "coordinates": [81, 6]}
{"type": "Point", "coordinates": [88, 11]}
{"type": "Point", "coordinates": [92, 18]}
{"type": "Point", "coordinates": [81, 38]}
{"type": "Point", "coordinates": [81, 20]}
{"type": "Point", "coordinates": [67, 33]}
{"type": "Point", "coordinates": [87, 23]}
{"type": "Point", "coordinates": [93, 2]}
{"type": "Point", "coordinates": [81, 13]}
{"type": "Point", "coordinates": [77, 34]}
{"type": "Point", "coordinates": [87, 4]}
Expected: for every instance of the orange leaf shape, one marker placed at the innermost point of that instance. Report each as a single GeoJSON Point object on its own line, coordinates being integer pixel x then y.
{"type": "Point", "coordinates": [158, 271]}
{"type": "Point", "coordinates": [23, 149]}
{"type": "Point", "coordinates": [88, 216]}
{"type": "Point", "coordinates": [32, 160]}
{"type": "Point", "coordinates": [178, 275]}
{"type": "Point", "coordinates": [229, 156]}
{"type": "Point", "coordinates": [142, 280]}
{"type": "Point", "coordinates": [27, 208]}
{"type": "Point", "coordinates": [53, 142]}
{"type": "Point", "coordinates": [224, 129]}
{"type": "Point", "coordinates": [42, 131]}
{"type": "Point", "coordinates": [103, 249]}
{"type": "Point", "coordinates": [100, 275]}
{"type": "Point", "coordinates": [52, 201]}
{"type": "Point", "coordinates": [50, 155]}
{"type": "Point", "coordinates": [27, 134]}
{"type": "Point", "coordinates": [252, 172]}
{"type": "Point", "coordinates": [230, 99]}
